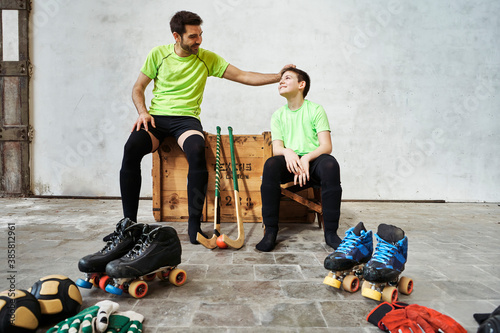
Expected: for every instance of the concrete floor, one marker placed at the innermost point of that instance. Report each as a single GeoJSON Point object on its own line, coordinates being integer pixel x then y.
{"type": "Point", "coordinates": [453, 259]}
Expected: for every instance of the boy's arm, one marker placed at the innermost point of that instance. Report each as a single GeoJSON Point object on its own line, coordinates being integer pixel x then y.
{"type": "Point", "coordinates": [325, 146]}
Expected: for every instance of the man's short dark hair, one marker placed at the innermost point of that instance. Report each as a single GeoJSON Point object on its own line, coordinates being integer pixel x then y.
{"type": "Point", "coordinates": [180, 19]}
{"type": "Point", "coordinates": [302, 76]}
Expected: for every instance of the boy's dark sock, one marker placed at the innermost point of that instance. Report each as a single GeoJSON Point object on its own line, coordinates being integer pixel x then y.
{"type": "Point", "coordinates": [332, 239]}
{"type": "Point", "coordinates": [268, 241]}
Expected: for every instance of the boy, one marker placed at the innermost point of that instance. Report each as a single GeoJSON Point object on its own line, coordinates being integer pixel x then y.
{"type": "Point", "coordinates": [301, 149]}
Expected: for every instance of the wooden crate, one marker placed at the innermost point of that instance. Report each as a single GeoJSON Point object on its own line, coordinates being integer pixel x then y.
{"type": "Point", "coordinates": [170, 169]}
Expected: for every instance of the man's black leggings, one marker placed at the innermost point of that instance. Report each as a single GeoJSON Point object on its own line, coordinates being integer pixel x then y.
{"type": "Point", "coordinates": [138, 145]}
{"type": "Point", "coordinates": [324, 171]}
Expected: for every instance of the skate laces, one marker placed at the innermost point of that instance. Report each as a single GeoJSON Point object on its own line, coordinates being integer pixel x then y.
{"type": "Point", "coordinates": [348, 243]}
{"type": "Point", "coordinates": [384, 251]}
{"type": "Point", "coordinates": [114, 239]}
{"type": "Point", "coordinates": [142, 244]}
{"type": "Point", "coordinates": [117, 237]}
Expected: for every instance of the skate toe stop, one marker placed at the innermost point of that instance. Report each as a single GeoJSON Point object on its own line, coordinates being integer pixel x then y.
{"type": "Point", "coordinates": [330, 281]}
{"type": "Point", "coordinates": [372, 294]}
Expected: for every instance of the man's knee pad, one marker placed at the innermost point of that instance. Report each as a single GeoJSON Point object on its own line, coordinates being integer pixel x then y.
{"type": "Point", "coordinates": [138, 144]}
{"type": "Point", "coordinates": [194, 148]}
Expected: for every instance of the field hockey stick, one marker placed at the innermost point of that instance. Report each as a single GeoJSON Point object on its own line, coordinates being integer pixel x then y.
{"type": "Point", "coordinates": [212, 242]}
{"type": "Point", "coordinates": [238, 243]}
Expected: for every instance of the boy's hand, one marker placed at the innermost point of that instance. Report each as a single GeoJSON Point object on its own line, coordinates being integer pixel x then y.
{"type": "Point", "coordinates": [293, 163]}
{"type": "Point", "coordinates": [303, 177]}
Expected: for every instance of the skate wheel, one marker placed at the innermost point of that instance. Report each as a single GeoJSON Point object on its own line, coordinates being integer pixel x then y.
{"type": "Point", "coordinates": [138, 289]}
{"type": "Point", "coordinates": [83, 284]}
{"type": "Point", "coordinates": [390, 294]}
{"type": "Point", "coordinates": [405, 285]}
{"type": "Point", "coordinates": [351, 283]}
{"type": "Point", "coordinates": [94, 279]}
{"type": "Point", "coordinates": [149, 277]}
{"type": "Point", "coordinates": [103, 282]}
{"type": "Point", "coordinates": [113, 290]}
{"type": "Point", "coordinates": [331, 281]}
{"type": "Point", "coordinates": [177, 277]}
{"type": "Point", "coordinates": [370, 293]}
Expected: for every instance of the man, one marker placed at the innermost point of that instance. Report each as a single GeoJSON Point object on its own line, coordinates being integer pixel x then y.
{"type": "Point", "coordinates": [179, 72]}
{"type": "Point", "coordinates": [301, 148]}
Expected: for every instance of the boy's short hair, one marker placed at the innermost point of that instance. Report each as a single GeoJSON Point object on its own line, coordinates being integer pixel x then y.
{"type": "Point", "coordinates": [180, 19]}
{"type": "Point", "coordinates": [302, 76]}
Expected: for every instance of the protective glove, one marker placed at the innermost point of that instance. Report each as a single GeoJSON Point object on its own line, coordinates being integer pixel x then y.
{"type": "Point", "coordinates": [431, 320]}
{"type": "Point", "coordinates": [376, 315]}
{"type": "Point", "coordinates": [125, 322]}
{"type": "Point", "coordinates": [397, 321]}
{"type": "Point", "coordinates": [93, 319]}
{"type": "Point", "coordinates": [416, 318]}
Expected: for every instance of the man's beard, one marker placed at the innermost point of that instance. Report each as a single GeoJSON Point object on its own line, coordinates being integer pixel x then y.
{"type": "Point", "coordinates": [189, 49]}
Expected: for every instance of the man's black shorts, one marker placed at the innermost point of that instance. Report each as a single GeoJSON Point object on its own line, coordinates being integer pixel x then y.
{"type": "Point", "coordinates": [173, 126]}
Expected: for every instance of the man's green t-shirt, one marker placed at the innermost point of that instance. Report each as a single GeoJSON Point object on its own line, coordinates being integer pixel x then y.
{"type": "Point", "coordinates": [179, 82]}
{"type": "Point", "coordinates": [299, 129]}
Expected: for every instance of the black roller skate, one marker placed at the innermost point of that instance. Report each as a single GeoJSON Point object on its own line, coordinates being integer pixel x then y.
{"type": "Point", "coordinates": [119, 243]}
{"type": "Point", "coordinates": [381, 273]}
{"type": "Point", "coordinates": [346, 263]}
{"type": "Point", "coordinates": [157, 253]}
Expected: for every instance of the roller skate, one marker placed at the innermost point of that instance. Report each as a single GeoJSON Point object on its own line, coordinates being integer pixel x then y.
{"type": "Point", "coordinates": [156, 254]}
{"type": "Point", "coordinates": [381, 273]}
{"type": "Point", "coordinates": [346, 263]}
{"type": "Point", "coordinates": [118, 243]}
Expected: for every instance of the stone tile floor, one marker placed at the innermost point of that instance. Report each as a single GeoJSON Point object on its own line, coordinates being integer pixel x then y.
{"type": "Point", "coordinates": [454, 253]}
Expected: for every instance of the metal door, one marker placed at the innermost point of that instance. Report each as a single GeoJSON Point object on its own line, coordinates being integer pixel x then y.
{"type": "Point", "coordinates": [15, 68]}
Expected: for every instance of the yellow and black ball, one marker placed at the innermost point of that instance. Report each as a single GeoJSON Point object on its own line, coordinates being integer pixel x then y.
{"type": "Point", "coordinates": [19, 311]}
{"type": "Point", "coordinates": [59, 297]}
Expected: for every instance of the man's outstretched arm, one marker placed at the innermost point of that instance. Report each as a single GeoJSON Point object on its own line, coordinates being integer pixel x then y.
{"type": "Point", "coordinates": [251, 78]}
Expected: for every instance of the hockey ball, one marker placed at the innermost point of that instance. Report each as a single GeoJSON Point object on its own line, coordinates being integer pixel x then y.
{"type": "Point", "coordinates": [220, 243]}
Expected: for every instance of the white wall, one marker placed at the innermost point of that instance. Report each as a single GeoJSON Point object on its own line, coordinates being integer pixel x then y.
{"type": "Point", "coordinates": [410, 87]}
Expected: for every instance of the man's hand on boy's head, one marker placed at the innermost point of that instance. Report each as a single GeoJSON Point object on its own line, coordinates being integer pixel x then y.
{"type": "Point", "coordinates": [285, 68]}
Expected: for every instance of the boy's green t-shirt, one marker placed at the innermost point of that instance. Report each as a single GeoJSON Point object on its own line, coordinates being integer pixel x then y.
{"type": "Point", "coordinates": [179, 82]}
{"type": "Point", "coordinates": [299, 129]}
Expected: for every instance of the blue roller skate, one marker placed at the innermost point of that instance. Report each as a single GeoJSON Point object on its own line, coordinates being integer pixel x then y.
{"type": "Point", "coordinates": [346, 263]}
{"type": "Point", "coordinates": [381, 273]}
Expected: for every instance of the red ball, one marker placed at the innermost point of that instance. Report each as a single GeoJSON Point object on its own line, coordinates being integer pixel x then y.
{"type": "Point", "coordinates": [220, 243]}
